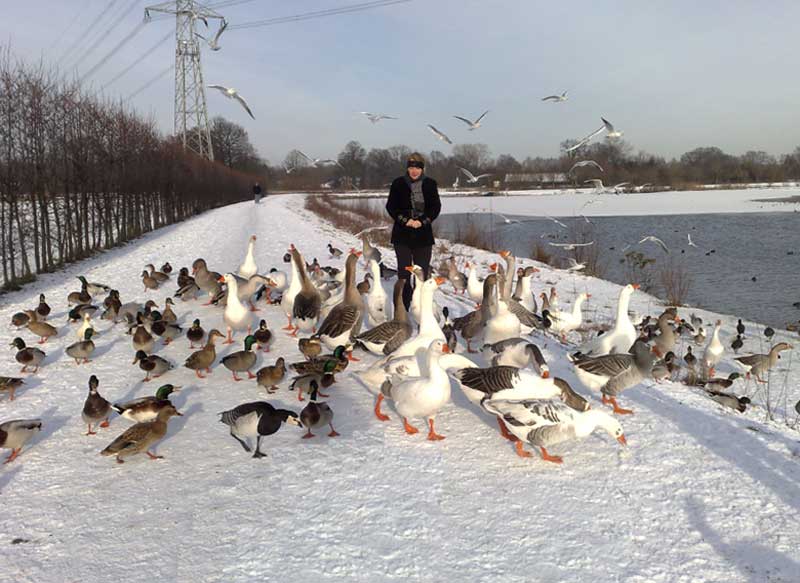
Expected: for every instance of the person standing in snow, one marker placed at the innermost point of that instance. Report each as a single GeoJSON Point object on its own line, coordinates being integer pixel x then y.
{"type": "Point", "coordinates": [413, 205]}
{"type": "Point", "coordinates": [257, 192]}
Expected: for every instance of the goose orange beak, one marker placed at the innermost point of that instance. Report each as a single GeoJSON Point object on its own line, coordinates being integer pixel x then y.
{"type": "Point", "coordinates": [409, 269]}
{"type": "Point", "coordinates": [588, 296]}
{"type": "Point", "coordinates": [622, 440]}
{"type": "Point", "coordinates": [493, 267]}
{"type": "Point", "coordinates": [440, 280]}
{"type": "Point", "coordinates": [635, 285]}
{"type": "Point", "coordinates": [504, 253]}
{"type": "Point", "coordinates": [545, 374]}
{"type": "Point", "coordinates": [445, 349]}
{"type": "Point", "coordinates": [221, 279]}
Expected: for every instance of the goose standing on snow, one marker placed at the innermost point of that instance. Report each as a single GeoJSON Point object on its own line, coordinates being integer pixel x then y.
{"type": "Point", "coordinates": [474, 287]}
{"type": "Point", "coordinates": [516, 352]}
{"type": "Point", "coordinates": [565, 322]}
{"type": "Point", "coordinates": [388, 336]}
{"type": "Point", "coordinates": [376, 297]}
{"type": "Point", "coordinates": [759, 365]}
{"type": "Point", "coordinates": [307, 302]}
{"type": "Point", "coordinates": [291, 291]}
{"type": "Point", "coordinates": [471, 326]}
{"type": "Point", "coordinates": [714, 350]}
{"type": "Point", "coordinates": [258, 419]}
{"type": "Point", "coordinates": [344, 321]}
{"type": "Point", "coordinates": [249, 268]}
{"type": "Point", "coordinates": [621, 337]}
{"type": "Point", "coordinates": [237, 316]}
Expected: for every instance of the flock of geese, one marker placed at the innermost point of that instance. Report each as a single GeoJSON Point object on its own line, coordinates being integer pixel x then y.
{"type": "Point", "coordinates": [490, 351]}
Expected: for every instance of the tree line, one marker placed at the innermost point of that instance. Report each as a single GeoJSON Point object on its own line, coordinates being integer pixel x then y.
{"type": "Point", "coordinates": [79, 174]}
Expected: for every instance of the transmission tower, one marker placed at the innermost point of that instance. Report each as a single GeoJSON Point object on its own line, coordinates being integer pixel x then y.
{"type": "Point", "coordinates": [191, 115]}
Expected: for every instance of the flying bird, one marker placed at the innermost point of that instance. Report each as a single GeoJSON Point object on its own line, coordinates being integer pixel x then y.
{"type": "Point", "coordinates": [586, 140]}
{"type": "Point", "coordinates": [556, 221]}
{"type": "Point", "coordinates": [598, 184]}
{"type": "Point", "coordinates": [231, 93]}
{"type": "Point", "coordinates": [439, 134]}
{"type": "Point", "coordinates": [689, 237]}
{"type": "Point", "coordinates": [315, 162]}
{"type": "Point", "coordinates": [612, 133]}
{"type": "Point", "coordinates": [655, 240]}
{"type": "Point", "coordinates": [571, 246]}
{"type": "Point", "coordinates": [472, 179]}
{"type": "Point", "coordinates": [213, 44]}
{"type": "Point", "coordinates": [506, 221]}
{"type": "Point", "coordinates": [376, 117]}
{"type": "Point", "coordinates": [289, 169]}
{"type": "Point", "coordinates": [616, 187]}
{"type": "Point", "coordinates": [473, 125]}
{"type": "Point", "coordinates": [584, 163]}
{"type": "Point", "coordinates": [556, 98]}
{"type": "Point", "coordinates": [574, 265]}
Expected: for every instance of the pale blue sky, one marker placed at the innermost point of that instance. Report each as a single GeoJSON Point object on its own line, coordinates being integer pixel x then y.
{"type": "Point", "coordinates": [672, 75]}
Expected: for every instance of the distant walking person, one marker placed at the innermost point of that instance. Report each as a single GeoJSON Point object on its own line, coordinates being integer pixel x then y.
{"type": "Point", "coordinates": [413, 204]}
{"type": "Point", "coordinates": [257, 192]}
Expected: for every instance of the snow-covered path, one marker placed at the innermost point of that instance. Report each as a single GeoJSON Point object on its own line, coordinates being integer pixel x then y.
{"type": "Point", "coordinates": [700, 494]}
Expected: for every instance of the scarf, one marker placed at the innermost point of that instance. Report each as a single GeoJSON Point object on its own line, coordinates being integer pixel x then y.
{"type": "Point", "coordinates": [417, 198]}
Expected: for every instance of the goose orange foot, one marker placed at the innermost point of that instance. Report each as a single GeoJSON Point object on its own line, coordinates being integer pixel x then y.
{"type": "Point", "coordinates": [550, 458]}
{"type": "Point", "coordinates": [410, 429]}
{"type": "Point", "coordinates": [432, 435]}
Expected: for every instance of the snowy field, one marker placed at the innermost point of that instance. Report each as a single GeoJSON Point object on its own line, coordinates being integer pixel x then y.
{"type": "Point", "coordinates": [700, 493]}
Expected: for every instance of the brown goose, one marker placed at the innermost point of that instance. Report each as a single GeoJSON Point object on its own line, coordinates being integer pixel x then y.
{"type": "Point", "coordinates": [206, 280]}
{"type": "Point", "coordinates": [307, 302]}
{"type": "Point", "coordinates": [471, 325]}
{"type": "Point", "coordinates": [343, 322]}
{"type": "Point", "coordinates": [759, 364]}
{"type": "Point", "coordinates": [387, 337]}
{"type": "Point", "coordinates": [665, 341]}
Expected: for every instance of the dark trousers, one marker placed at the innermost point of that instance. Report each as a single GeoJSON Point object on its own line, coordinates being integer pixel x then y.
{"type": "Point", "coordinates": [406, 257]}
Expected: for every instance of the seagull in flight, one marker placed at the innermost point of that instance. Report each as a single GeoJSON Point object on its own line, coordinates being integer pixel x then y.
{"type": "Point", "coordinates": [231, 93]}
{"type": "Point", "coordinates": [616, 187]}
{"type": "Point", "coordinates": [471, 178]}
{"type": "Point", "coordinates": [439, 134]}
{"type": "Point", "coordinates": [570, 246]}
{"type": "Point", "coordinates": [506, 221]}
{"type": "Point", "coordinates": [455, 184]}
{"type": "Point", "coordinates": [376, 117]}
{"type": "Point", "coordinates": [612, 133]}
{"type": "Point", "coordinates": [556, 98]}
{"type": "Point", "coordinates": [691, 243]}
{"type": "Point", "coordinates": [315, 162]}
{"type": "Point", "coordinates": [586, 140]}
{"type": "Point", "coordinates": [584, 163]}
{"type": "Point", "coordinates": [574, 265]}
{"type": "Point", "coordinates": [556, 221]}
{"type": "Point", "coordinates": [213, 44]}
{"type": "Point", "coordinates": [473, 125]}
{"type": "Point", "coordinates": [289, 169]}
{"type": "Point", "coordinates": [598, 184]}
{"type": "Point", "coordinates": [655, 240]}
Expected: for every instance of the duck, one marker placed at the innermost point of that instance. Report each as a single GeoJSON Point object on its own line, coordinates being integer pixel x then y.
{"type": "Point", "coordinates": [332, 363]}
{"type": "Point", "coordinates": [195, 333]}
{"type": "Point", "coordinates": [42, 310]}
{"type": "Point", "coordinates": [152, 365]}
{"type": "Point", "coordinates": [41, 329]}
{"type": "Point", "coordinates": [719, 384]}
{"type": "Point", "coordinates": [16, 433]}
{"type": "Point", "coordinates": [302, 383]}
{"type": "Point", "coordinates": [450, 336]}
{"type": "Point", "coordinates": [140, 438]}
{"type": "Point", "coordinates": [759, 365]}
{"type": "Point", "coordinates": [166, 331]}
{"type": "Point", "coordinates": [290, 291]}
{"type": "Point", "coordinates": [334, 252]}
{"type": "Point", "coordinates": [27, 355]}
{"type": "Point", "coordinates": [248, 268]}
{"type": "Point", "coordinates": [80, 311]}
{"type": "Point", "coordinates": [385, 338]}
{"type": "Point", "coordinates": [242, 360]}
{"type": "Point", "coordinates": [364, 286]}
{"type": "Point", "coordinates": [269, 376]}
{"type": "Point", "coordinates": [307, 302]}
{"type": "Point", "coordinates": [80, 297]}
{"type": "Point", "coordinates": [169, 315]}
{"type": "Point", "coordinates": [159, 276]}
{"type": "Point", "coordinates": [474, 286]}
{"type": "Point", "coordinates": [545, 423]}
{"type": "Point", "coordinates": [516, 352]}
{"type": "Point", "coordinates": [667, 338]}
{"type": "Point", "coordinates": [729, 400]}
{"type": "Point", "coordinates": [142, 339]}
{"type": "Point", "coordinates": [613, 373]}
{"type": "Point", "coordinates": [621, 337]}
{"type": "Point", "coordinates": [714, 350]}
{"type": "Point", "coordinates": [10, 384]}
{"type": "Point", "coordinates": [740, 329]}
{"type": "Point", "coordinates": [112, 305]}
{"type": "Point", "coordinates": [376, 298]}
{"type": "Point", "coordinates": [183, 276]}
{"type": "Point", "coordinates": [316, 414]}
{"type": "Point", "coordinates": [257, 419]}
{"type": "Point", "coordinates": [344, 321]}
{"type": "Point", "coordinates": [737, 344]}
{"type": "Point", "coordinates": [422, 396]}
{"type": "Point", "coordinates": [96, 410]}
{"type": "Point", "coordinates": [20, 319]}
{"type": "Point", "coordinates": [166, 268]}
{"type": "Point", "coordinates": [689, 358]}
{"type": "Point", "coordinates": [146, 408]}
{"type": "Point", "coordinates": [207, 281]}
{"type": "Point", "coordinates": [86, 324]}
{"type": "Point", "coordinates": [236, 316]}
{"type": "Point", "coordinates": [149, 281]}
{"type": "Point", "coordinates": [187, 291]}
{"type": "Point", "coordinates": [93, 288]}
{"type": "Point", "coordinates": [82, 349]}
{"type": "Point", "coordinates": [310, 348]}
{"type": "Point", "coordinates": [263, 336]}
{"type": "Point", "coordinates": [205, 357]}
{"type": "Point", "coordinates": [566, 322]}
{"type": "Point", "coordinates": [700, 337]}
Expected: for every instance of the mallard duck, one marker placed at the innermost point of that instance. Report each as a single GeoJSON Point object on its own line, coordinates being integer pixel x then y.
{"type": "Point", "coordinates": [242, 360]}
{"type": "Point", "coordinates": [80, 311]}
{"type": "Point", "coordinates": [168, 332]}
{"type": "Point", "coordinates": [248, 267]}
{"type": "Point", "coordinates": [142, 339]}
{"type": "Point", "coordinates": [333, 363]}
{"type": "Point", "coordinates": [15, 434]}
{"type": "Point", "coordinates": [543, 423]}
{"type": "Point", "coordinates": [152, 365]}
{"type": "Point", "coordinates": [159, 276]}
{"type": "Point", "coordinates": [335, 253]}
{"type": "Point", "coordinates": [316, 414]}
{"type": "Point", "coordinates": [27, 355]}
{"type": "Point", "coordinates": [269, 376]}
{"type": "Point", "coordinates": [167, 268]}
{"type": "Point", "coordinates": [759, 364]}
{"type": "Point", "coordinates": [82, 349]}
{"type": "Point", "coordinates": [205, 357]}
{"type": "Point", "coordinates": [80, 333]}
{"type": "Point", "coordinates": [94, 288]}
{"type": "Point", "coordinates": [344, 321]}
{"type": "Point", "coordinates": [310, 347]}
{"type": "Point", "coordinates": [95, 408]}
{"type": "Point", "coordinates": [42, 310]}
{"type": "Point", "coordinates": [184, 277]}
{"type": "Point", "coordinates": [302, 383]}
{"type": "Point", "coordinates": [187, 291]}
{"type": "Point", "coordinates": [195, 333]}
{"type": "Point", "coordinates": [728, 400]}
{"type": "Point", "coordinates": [385, 338]}
{"type": "Point", "coordinates": [168, 315]}
{"type": "Point", "coordinates": [263, 336]}
{"type": "Point", "coordinates": [257, 419]}
{"type": "Point", "coordinates": [80, 297]}
{"type": "Point", "coordinates": [719, 384]}
{"type": "Point", "coordinates": [149, 281]}
{"type": "Point", "coordinates": [41, 329]}
{"type": "Point", "coordinates": [20, 319]}
{"type": "Point", "coordinates": [141, 437]}
{"type": "Point", "coordinates": [364, 286]}
{"type": "Point", "coordinates": [146, 408]}
{"type": "Point", "coordinates": [237, 316]}
{"type": "Point", "coordinates": [10, 384]}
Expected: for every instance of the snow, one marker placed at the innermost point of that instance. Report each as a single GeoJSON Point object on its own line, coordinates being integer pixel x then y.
{"type": "Point", "coordinates": [700, 494]}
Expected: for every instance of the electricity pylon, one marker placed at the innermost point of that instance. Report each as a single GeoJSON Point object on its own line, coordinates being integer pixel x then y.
{"type": "Point", "coordinates": [191, 115]}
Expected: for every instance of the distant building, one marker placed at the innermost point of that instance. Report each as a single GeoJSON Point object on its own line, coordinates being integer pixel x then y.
{"type": "Point", "coordinates": [537, 179]}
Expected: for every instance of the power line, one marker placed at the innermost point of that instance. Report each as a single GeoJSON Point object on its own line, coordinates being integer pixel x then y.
{"type": "Point", "coordinates": [83, 35]}
{"type": "Point", "coordinates": [104, 35]}
{"type": "Point", "coordinates": [317, 14]}
{"type": "Point", "coordinates": [151, 82]}
{"type": "Point", "coordinates": [146, 54]}
{"type": "Point", "coordinates": [72, 23]}
{"type": "Point", "coordinates": [113, 51]}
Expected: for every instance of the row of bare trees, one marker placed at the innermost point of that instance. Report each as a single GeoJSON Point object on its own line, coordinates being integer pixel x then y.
{"type": "Point", "coordinates": [79, 174]}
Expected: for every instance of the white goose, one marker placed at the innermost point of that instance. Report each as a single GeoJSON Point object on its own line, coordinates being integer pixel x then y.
{"type": "Point", "coordinates": [714, 350]}
{"type": "Point", "coordinates": [249, 267]}
{"type": "Point", "coordinates": [474, 286]}
{"type": "Point", "coordinates": [376, 298]}
{"type": "Point", "coordinates": [546, 423]}
{"type": "Point", "coordinates": [236, 315]}
{"type": "Point", "coordinates": [429, 329]}
{"type": "Point", "coordinates": [517, 352]}
{"type": "Point", "coordinates": [564, 322]}
{"type": "Point", "coordinates": [421, 396]}
{"type": "Point", "coordinates": [502, 324]}
{"type": "Point", "coordinates": [621, 337]}
{"type": "Point", "coordinates": [526, 298]}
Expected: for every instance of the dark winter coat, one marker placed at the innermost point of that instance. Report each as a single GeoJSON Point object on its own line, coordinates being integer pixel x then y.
{"type": "Point", "coordinates": [401, 208]}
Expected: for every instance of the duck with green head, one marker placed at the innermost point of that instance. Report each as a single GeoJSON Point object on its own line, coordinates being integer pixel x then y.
{"type": "Point", "coordinates": [195, 333]}
{"type": "Point", "coordinates": [27, 355]}
{"type": "Point", "coordinates": [146, 408]}
{"type": "Point", "coordinates": [152, 364]}
{"type": "Point", "coordinates": [242, 360]}
{"type": "Point", "coordinates": [331, 363]}
{"type": "Point", "coordinates": [316, 415]}
{"type": "Point", "coordinates": [160, 327]}
{"type": "Point", "coordinates": [82, 349]}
